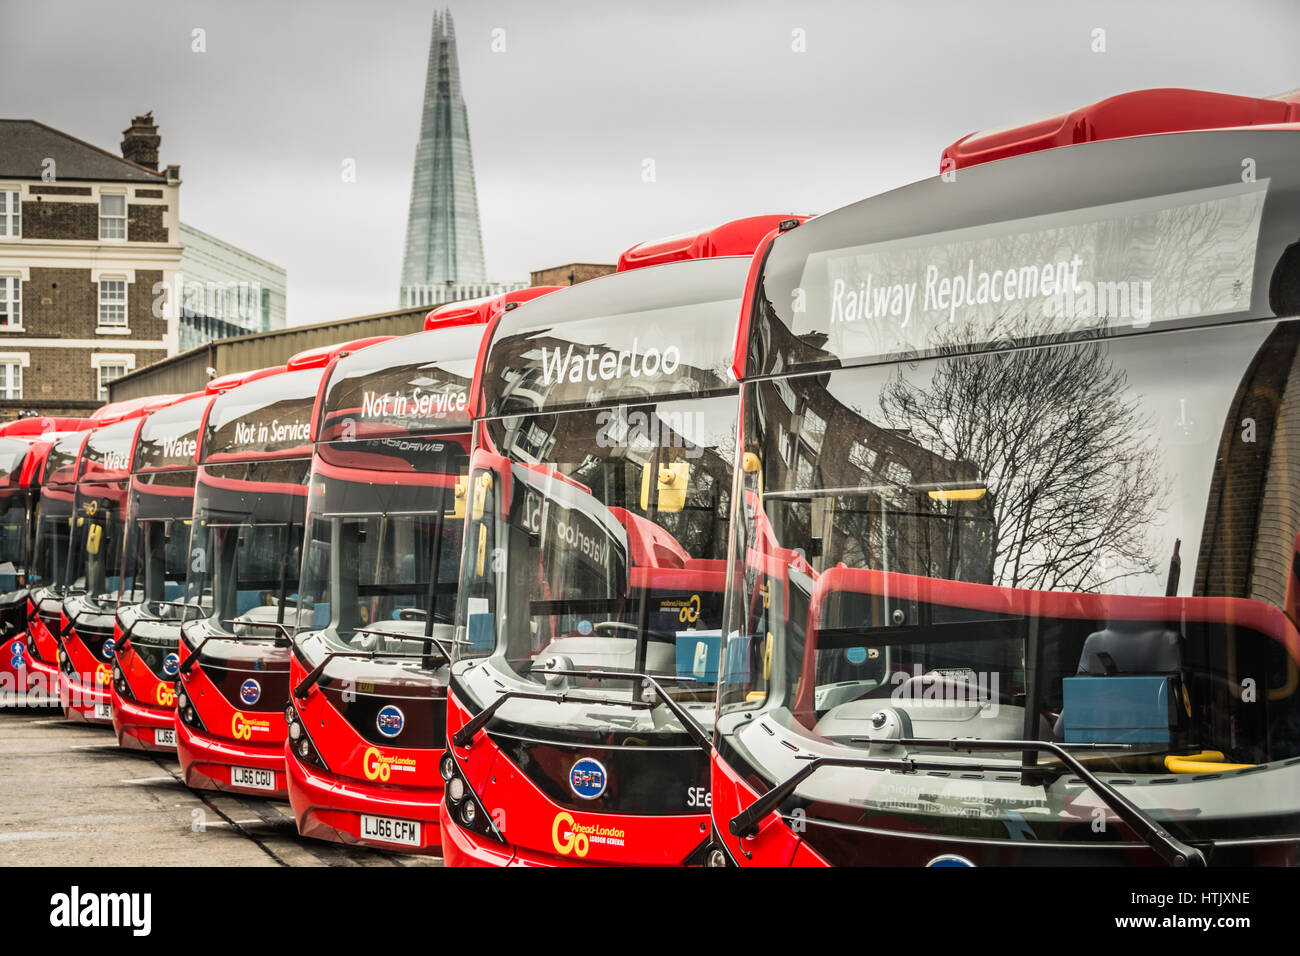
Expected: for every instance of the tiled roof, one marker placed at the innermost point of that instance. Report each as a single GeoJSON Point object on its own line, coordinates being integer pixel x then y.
{"type": "Point", "coordinates": [25, 145]}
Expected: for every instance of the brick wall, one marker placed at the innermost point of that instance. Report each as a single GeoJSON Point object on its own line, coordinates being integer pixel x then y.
{"type": "Point", "coordinates": [571, 274]}
{"type": "Point", "coordinates": [59, 374]}
{"type": "Point", "coordinates": [64, 303]}
{"type": "Point", "coordinates": [61, 220]}
{"type": "Point", "coordinates": [145, 223]}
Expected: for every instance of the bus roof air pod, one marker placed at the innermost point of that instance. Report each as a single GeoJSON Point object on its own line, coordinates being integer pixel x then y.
{"type": "Point", "coordinates": [367, 715]}
{"type": "Point", "coordinates": [590, 601]}
{"type": "Point", "coordinates": [250, 497]}
{"type": "Point", "coordinates": [1027, 425]}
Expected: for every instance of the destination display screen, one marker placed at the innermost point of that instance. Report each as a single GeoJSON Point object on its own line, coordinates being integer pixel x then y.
{"type": "Point", "coordinates": [169, 437]}
{"type": "Point", "coordinates": [661, 332]}
{"type": "Point", "coordinates": [414, 385]}
{"type": "Point", "coordinates": [263, 419]}
{"type": "Point", "coordinates": [941, 267]}
{"type": "Point", "coordinates": [107, 456]}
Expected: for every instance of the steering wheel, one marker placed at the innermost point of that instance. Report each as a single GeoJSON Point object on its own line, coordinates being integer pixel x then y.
{"type": "Point", "coordinates": [615, 626]}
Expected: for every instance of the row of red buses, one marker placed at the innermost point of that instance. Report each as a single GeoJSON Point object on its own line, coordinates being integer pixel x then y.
{"type": "Point", "coordinates": [156, 560]}
{"type": "Point", "coordinates": [856, 540]}
{"type": "Point", "coordinates": [241, 603]}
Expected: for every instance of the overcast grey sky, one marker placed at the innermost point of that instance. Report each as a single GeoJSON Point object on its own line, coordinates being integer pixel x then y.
{"type": "Point", "coordinates": [736, 121]}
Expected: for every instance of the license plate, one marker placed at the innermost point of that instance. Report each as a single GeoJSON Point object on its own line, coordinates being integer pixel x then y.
{"type": "Point", "coordinates": [253, 779]}
{"type": "Point", "coordinates": [164, 738]}
{"type": "Point", "coordinates": [104, 711]}
{"type": "Point", "coordinates": [388, 830]}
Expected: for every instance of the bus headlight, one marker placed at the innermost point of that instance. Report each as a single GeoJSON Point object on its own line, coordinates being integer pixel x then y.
{"type": "Point", "coordinates": [455, 789]}
{"type": "Point", "coordinates": [468, 811]}
{"type": "Point", "coordinates": [447, 766]}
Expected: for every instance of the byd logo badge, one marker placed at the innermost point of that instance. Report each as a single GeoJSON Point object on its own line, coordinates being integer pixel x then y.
{"type": "Point", "coordinates": [587, 778]}
{"type": "Point", "coordinates": [390, 720]}
{"type": "Point", "coordinates": [250, 692]}
{"type": "Point", "coordinates": [171, 664]}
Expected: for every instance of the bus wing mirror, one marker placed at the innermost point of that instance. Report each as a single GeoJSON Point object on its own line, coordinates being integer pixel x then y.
{"type": "Point", "coordinates": [672, 480]}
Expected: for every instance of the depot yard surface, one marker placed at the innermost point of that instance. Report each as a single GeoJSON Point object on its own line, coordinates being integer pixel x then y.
{"type": "Point", "coordinates": [69, 796]}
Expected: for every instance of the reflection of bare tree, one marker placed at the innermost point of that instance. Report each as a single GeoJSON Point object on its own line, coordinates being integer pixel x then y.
{"type": "Point", "coordinates": [1072, 471]}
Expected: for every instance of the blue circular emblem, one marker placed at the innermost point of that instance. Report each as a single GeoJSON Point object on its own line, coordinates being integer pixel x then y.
{"type": "Point", "coordinates": [584, 628]}
{"type": "Point", "coordinates": [856, 655]}
{"type": "Point", "coordinates": [107, 649]}
{"type": "Point", "coordinates": [390, 720]}
{"type": "Point", "coordinates": [587, 778]}
{"type": "Point", "coordinates": [250, 691]}
{"type": "Point", "coordinates": [171, 664]}
{"type": "Point", "coordinates": [950, 859]}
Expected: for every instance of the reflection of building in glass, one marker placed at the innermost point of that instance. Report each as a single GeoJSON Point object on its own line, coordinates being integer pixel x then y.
{"type": "Point", "coordinates": [223, 290]}
{"type": "Point", "coordinates": [1253, 514]}
{"type": "Point", "coordinates": [864, 494]}
{"type": "Point", "coordinates": [444, 242]}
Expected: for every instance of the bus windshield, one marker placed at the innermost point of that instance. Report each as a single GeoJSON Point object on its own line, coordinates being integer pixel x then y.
{"type": "Point", "coordinates": [13, 515]}
{"type": "Point", "coordinates": [158, 540]}
{"type": "Point", "coordinates": [246, 545]}
{"type": "Point", "coordinates": [1015, 512]}
{"type": "Point", "coordinates": [383, 550]}
{"type": "Point", "coordinates": [95, 552]}
{"type": "Point", "coordinates": [598, 543]}
{"type": "Point", "coordinates": [53, 535]}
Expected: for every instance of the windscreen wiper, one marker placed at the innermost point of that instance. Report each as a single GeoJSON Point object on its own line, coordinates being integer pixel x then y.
{"type": "Point", "coordinates": [428, 640]}
{"type": "Point", "coordinates": [280, 639]}
{"type": "Point", "coordinates": [465, 736]}
{"type": "Point", "coordinates": [1170, 849]}
{"type": "Point", "coordinates": [306, 683]}
{"type": "Point", "coordinates": [689, 724]}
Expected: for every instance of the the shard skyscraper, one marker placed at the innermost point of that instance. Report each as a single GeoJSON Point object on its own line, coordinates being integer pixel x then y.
{"type": "Point", "coordinates": [444, 243]}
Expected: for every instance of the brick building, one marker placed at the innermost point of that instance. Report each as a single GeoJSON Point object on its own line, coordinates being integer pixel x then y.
{"type": "Point", "coordinates": [570, 274]}
{"type": "Point", "coordinates": [88, 240]}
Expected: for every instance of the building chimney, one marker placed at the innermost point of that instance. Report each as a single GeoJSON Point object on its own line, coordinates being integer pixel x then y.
{"type": "Point", "coordinates": [140, 142]}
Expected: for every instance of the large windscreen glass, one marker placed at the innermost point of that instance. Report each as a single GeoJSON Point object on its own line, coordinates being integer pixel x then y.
{"type": "Point", "coordinates": [98, 535]}
{"type": "Point", "coordinates": [246, 547]}
{"type": "Point", "coordinates": [598, 543]}
{"type": "Point", "coordinates": [53, 536]}
{"type": "Point", "coordinates": [13, 515]}
{"type": "Point", "coordinates": [158, 542]}
{"type": "Point", "coordinates": [1083, 544]}
{"type": "Point", "coordinates": [382, 550]}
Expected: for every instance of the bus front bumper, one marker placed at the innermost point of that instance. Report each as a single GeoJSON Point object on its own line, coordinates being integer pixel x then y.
{"type": "Point", "coordinates": [327, 807]}
{"type": "Point", "coordinates": [209, 764]}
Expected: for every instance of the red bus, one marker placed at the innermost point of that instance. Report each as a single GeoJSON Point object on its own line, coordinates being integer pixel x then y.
{"type": "Point", "coordinates": [23, 448]}
{"type": "Point", "coordinates": [150, 606]}
{"type": "Point", "coordinates": [367, 715]}
{"type": "Point", "coordinates": [1016, 569]}
{"type": "Point", "coordinates": [94, 569]}
{"type": "Point", "coordinates": [241, 587]}
{"type": "Point", "coordinates": [590, 603]}
{"type": "Point", "coordinates": [47, 578]}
